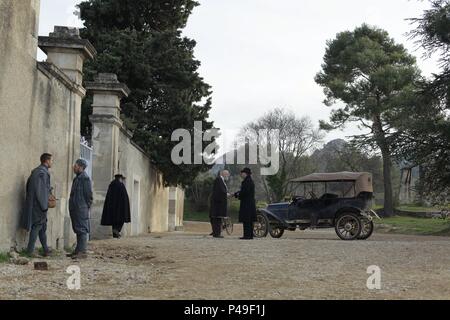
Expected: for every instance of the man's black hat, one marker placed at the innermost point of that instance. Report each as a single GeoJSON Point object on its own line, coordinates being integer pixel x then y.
{"type": "Point", "coordinates": [120, 176]}
{"type": "Point", "coordinates": [247, 171]}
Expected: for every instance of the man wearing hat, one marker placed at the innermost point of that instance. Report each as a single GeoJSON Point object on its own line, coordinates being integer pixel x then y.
{"type": "Point", "coordinates": [116, 210]}
{"type": "Point", "coordinates": [80, 202]}
{"type": "Point", "coordinates": [247, 211]}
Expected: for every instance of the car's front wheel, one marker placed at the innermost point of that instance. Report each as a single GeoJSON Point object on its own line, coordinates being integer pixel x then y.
{"type": "Point", "coordinates": [348, 226]}
{"type": "Point", "coordinates": [276, 232]}
{"type": "Point", "coordinates": [261, 226]}
{"type": "Point", "coordinates": [366, 229]}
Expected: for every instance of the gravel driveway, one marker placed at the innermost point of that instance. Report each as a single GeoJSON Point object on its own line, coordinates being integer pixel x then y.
{"type": "Point", "coordinates": [191, 265]}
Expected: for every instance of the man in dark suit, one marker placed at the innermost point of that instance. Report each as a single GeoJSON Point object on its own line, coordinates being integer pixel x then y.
{"type": "Point", "coordinates": [247, 211]}
{"type": "Point", "coordinates": [219, 203]}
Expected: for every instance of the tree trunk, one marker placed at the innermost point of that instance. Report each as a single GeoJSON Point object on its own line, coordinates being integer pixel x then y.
{"type": "Point", "coordinates": [387, 165]}
{"type": "Point", "coordinates": [420, 191]}
{"type": "Point", "coordinates": [388, 195]}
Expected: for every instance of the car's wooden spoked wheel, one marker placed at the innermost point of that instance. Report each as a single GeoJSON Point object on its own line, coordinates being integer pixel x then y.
{"type": "Point", "coordinates": [261, 226]}
{"type": "Point", "coordinates": [276, 232]}
{"type": "Point", "coordinates": [366, 229]}
{"type": "Point", "coordinates": [348, 226]}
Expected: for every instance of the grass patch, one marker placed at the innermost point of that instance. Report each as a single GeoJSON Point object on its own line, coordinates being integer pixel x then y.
{"type": "Point", "coordinates": [69, 249]}
{"type": "Point", "coordinates": [415, 226]}
{"type": "Point", "coordinates": [24, 253]}
{"type": "Point", "coordinates": [4, 257]}
{"type": "Point", "coordinates": [412, 208]}
{"type": "Point", "coordinates": [190, 214]}
{"type": "Point", "coordinates": [377, 207]}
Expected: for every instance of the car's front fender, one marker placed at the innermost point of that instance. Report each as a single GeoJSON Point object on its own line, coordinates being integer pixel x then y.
{"type": "Point", "coordinates": [272, 217]}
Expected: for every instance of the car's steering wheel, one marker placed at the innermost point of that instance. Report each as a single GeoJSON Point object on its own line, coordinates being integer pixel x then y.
{"type": "Point", "coordinates": [313, 195]}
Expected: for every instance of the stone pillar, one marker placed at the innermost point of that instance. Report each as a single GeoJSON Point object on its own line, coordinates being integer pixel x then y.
{"type": "Point", "coordinates": [106, 126]}
{"type": "Point", "coordinates": [179, 224]}
{"type": "Point", "coordinates": [176, 209]}
{"type": "Point", "coordinates": [172, 208]}
{"type": "Point", "coordinates": [67, 52]}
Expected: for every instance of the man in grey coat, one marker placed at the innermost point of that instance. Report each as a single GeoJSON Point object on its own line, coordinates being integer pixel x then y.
{"type": "Point", "coordinates": [34, 216]}
{"type": "Point", "coordinates": [80, 202]}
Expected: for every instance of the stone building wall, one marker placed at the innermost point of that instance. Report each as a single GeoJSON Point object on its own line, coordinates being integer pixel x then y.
{"type": "Point", "coordinates": [39, 106]}
{"type": "Point", "coordinates": [148, 197]}
{"type": "Point", "coordinates": [114, 153]}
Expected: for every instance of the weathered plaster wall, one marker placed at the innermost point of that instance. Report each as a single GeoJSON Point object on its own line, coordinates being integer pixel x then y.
{"type": "Point", "coordinates": [114, 152]}
{"type": "Point", "coordinates": [149, 199]}
{"type": "Point", "coordinates": [37, 110]}
{"type": "Point", "coordinates": [40, 106]}
{"type": "Point", "coordinates": [153, 196]}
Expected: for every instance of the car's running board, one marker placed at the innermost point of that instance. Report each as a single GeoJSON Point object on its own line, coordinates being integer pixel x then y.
{"type": "Point", "coordinates": [308, 221]}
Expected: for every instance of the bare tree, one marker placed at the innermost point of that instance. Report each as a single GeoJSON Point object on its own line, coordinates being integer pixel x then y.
{"type": "Point", "coordinates": [296, 139]}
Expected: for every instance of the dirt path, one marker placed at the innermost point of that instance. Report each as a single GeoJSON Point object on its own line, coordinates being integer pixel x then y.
{"type": "Point", "coordinates": [190, 265]}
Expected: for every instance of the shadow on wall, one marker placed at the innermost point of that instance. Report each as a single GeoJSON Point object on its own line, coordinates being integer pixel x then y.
{"type": "Point", "coordinates": [20, 237]}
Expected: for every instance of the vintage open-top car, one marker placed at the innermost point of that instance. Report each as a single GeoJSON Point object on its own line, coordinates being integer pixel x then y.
{"type": "Point", "coordinates": [323, 200]}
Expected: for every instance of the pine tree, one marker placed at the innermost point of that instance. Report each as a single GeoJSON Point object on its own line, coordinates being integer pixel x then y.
{"type": "Point", "coordinates": [141, 41]}
{"type": "Point", "coordinates": [375, 78]}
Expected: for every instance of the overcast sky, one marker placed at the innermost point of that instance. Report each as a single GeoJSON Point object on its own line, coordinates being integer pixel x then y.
{"type": "Point", "coordinates": [261, 54]}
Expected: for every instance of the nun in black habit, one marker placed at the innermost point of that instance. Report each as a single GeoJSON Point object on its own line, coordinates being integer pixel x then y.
{"type": "Point", "coordinates": [116, 210]}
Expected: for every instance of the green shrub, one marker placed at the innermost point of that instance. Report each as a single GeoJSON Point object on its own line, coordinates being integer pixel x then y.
{"type": "Point", "coordinates": [4, 257]}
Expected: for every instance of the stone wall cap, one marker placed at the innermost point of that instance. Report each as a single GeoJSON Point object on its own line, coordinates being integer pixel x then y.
{"type": "Point", "coordinates": [67, 38]}
{"type": "Point", "coordinates": [107, 83]}
{"type": "Point", "coordinates": [106, 78]}
{"type": "Point", "coordinates": [63, 32]}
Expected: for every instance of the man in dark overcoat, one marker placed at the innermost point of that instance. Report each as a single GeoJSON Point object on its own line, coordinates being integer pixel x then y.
{"type": "Point", "coordinates": [219, 203]}
{"type": "Point", "coordinates": [34, 216]}
{"type": "Point", "coordinates": [116, 210]}
{"type": "Point", "coordinates": [80, 202]}
{"type": "Point", "coordinates": [247, 210]}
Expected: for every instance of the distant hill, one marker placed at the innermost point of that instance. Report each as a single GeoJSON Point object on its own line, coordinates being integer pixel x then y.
{"type": "Point", "coordinates": [322, 156]}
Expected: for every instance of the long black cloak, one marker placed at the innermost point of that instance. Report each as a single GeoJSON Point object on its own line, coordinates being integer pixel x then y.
{"type": "Point", "coordinates": [247, 211]}
{"type": "Point", "coordinates": [117, 205]}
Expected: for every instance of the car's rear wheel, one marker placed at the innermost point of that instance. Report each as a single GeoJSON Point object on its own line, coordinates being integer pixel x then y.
{"type": "Point", "coordinates": [348, 226]}
{"type": "Point", "coordinates": [261, 226]}
{"type": "Point", "coordinates": [367, 227]}
{"type": "Point", "coordinates": [276, 232]}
